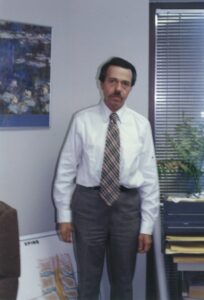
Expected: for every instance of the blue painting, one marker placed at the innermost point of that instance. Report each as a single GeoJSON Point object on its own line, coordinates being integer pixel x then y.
{"type": "Point", "coordinates": [25, 55]}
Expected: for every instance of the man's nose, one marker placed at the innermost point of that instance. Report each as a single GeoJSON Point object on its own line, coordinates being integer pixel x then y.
{"type": "Point", "coordinates": [118, 86]}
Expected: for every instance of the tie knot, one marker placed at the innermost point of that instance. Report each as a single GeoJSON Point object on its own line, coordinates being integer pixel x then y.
{"type": "Point", "coordinates": [114, 117]}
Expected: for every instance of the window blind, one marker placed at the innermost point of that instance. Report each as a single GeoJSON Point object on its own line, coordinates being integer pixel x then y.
{"type": "Point", "coordinates": [179, 83]}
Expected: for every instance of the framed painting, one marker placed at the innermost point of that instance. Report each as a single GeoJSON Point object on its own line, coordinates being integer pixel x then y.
{"type": "Point", "coordinates": [25, 55]}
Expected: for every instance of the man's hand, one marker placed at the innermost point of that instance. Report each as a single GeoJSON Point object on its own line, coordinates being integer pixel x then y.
{"type": "Point", "coordinates": [65, 231]}
{"type": "Point", "coordinates": [144, 242]}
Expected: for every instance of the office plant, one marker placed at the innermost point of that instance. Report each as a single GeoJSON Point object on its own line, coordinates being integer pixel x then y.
{"type": "Point", "coordinates": [188, 146]}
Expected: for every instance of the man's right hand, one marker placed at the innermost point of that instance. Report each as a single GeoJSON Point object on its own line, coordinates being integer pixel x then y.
{"type": "Point", "coordinates": [65, 231]}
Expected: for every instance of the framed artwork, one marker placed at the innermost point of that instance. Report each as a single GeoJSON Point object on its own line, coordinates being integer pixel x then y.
{"type": "Point", "coordinates": [25, 55]}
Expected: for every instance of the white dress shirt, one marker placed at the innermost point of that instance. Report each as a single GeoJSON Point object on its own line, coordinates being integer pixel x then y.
{"type": "Point", "coordinates": [82, 157]}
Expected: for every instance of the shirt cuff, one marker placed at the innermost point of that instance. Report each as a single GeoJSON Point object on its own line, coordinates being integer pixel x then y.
{"type": "Point", "coordinates": [64, 216]}
{"type": "Point", "coordinates": [146, 228]}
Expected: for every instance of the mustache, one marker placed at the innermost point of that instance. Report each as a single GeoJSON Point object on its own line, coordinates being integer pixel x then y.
{"type": "Point", "coordinates": [116, 94]}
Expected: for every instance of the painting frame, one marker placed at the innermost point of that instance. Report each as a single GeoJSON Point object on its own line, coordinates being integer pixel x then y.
{"type": "Point", "coordinates": [25, 67]}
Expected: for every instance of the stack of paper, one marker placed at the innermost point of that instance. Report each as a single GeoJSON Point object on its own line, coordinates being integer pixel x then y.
{"type": "Point", "coordinates": [188, 248]}
{"type": "Point", "coordinates": [184, 244]}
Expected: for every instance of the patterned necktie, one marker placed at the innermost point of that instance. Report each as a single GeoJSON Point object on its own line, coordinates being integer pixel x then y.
{"type": "Point", "coordinates": [110, 185]}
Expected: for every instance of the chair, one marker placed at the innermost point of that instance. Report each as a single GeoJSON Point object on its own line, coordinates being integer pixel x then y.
{"type": "Point", "coordinates": [9, 252]}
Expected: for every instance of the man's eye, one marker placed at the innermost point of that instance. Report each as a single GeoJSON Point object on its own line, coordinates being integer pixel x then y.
{"type": "Point", "coordinates": [112, 80]}
{"type": "Point", "coordinates": [126, 84]}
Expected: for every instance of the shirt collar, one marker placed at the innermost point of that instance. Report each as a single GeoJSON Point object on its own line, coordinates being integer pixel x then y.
{"type": "Point", "coordinates": [105, 111]}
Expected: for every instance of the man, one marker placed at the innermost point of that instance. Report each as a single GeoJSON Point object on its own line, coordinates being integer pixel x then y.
{"type": "Point", "coordinates": [116, 198]}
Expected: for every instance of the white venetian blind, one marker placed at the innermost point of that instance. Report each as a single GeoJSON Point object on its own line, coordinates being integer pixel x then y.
{"type": "Point", "coordinates": [179, 81]}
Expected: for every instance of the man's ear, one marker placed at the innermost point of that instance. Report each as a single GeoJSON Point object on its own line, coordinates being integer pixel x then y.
{"type": "Point", "coordinates": [101, 85]}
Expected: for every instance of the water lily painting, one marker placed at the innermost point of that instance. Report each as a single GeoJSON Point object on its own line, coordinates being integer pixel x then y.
{"type": "Point", "coordinates": [25, 55]}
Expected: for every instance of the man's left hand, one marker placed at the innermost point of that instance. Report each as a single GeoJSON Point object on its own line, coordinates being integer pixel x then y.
{"type": "Point", "coordinates": [144, 242]}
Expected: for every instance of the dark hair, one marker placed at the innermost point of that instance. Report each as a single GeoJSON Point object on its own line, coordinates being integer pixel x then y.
{"type": "Point", "coordinates": [119, 62]}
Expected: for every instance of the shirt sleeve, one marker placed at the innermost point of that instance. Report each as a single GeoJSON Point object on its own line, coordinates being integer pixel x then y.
{"type": "Point", "coordinates": [64, 183]}
{"type": "Point", "coordinates": [149, 190]}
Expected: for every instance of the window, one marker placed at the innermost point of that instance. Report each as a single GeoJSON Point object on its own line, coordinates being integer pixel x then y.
{"type": "Point", "coordinates": [176, 79]}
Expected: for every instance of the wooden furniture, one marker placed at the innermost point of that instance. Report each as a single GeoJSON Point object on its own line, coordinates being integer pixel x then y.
{"type": "Point", "coordinates": [9, 252]}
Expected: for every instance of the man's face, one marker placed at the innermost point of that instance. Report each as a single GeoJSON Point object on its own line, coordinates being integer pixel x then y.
{"type": "Point", "coordinates": [116, 87]}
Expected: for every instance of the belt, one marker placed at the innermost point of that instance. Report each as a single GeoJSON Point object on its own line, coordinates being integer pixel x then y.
{"type": "Point", "coordinates": [97, 188]}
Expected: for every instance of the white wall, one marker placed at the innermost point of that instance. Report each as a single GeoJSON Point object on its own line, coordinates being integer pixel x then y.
{"type": "Point", "coordinates": [84, 34]}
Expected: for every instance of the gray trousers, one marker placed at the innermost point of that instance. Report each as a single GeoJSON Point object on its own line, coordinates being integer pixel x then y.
{"type": "Point", "coordinates": [112, 230]}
